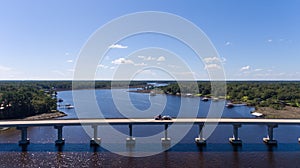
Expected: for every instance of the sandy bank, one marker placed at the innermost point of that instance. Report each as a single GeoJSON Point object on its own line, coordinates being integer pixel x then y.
{"type": "Point", "coordinates": [46, 116]}
{"type": "Point", "coordinates": [287, 112]}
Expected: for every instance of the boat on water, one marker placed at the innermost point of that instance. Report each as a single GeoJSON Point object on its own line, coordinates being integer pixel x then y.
{"type": "Point", "coordinates": [229, 105]}
{"type": "Point", "coordinates": [189, 95]}
{"type": "Point", "coordinates": [69, 106]}
{"type": "Point", "coordinates": [205, 99]}
{"type": "Point", "coordinates": [256, 114]}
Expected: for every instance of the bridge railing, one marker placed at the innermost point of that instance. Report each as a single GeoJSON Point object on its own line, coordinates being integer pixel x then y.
{"type": "Point", "coordinates": [23, 125]}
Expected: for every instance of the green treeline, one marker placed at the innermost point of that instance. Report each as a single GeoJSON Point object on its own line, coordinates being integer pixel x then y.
{"type": "Point", "coordinates": [19, 99]}
{"type": "Point", "coordinates": [273, 94]}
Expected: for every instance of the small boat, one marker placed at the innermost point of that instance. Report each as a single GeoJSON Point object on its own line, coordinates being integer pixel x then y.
{"type": "Point", "coordinates": [189, 95]}
{"type": "Point", "coordinates": [69, 106]}
{"type": "Point", "coordinates": [229, 105]}
{"type": "Point", "coordinates": [205, 99]}
{"type": "Point", "coordinates": [256, 114]}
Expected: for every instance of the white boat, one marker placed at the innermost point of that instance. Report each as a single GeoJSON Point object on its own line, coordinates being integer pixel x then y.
{"type": "Point", "coordinates": [189, 95]}
{"type": "Point", "coordinates": [204, 99]}
{"type": "Point", "coordinates": [256, 114]}
{"type": "Point", "coordinates": [229, 105]}
{"type": "Point", "coordinates": [69, 106]}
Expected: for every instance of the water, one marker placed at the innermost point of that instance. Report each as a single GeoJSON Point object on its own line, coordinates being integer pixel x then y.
{"type": "Point", "coordinates": [217, 153]}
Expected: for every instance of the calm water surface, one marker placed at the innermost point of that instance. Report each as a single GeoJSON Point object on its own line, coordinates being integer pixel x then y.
{"type": "Point", "coordinates": [217, 153]}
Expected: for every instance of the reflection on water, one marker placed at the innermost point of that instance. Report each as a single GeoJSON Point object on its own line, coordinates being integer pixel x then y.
{"type": "Point", "coordinates": [183, 155]}
{"type": "Point", "coordinates": [165, 159]}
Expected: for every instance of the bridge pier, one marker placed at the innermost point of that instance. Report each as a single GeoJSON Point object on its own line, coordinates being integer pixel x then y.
{"type": "Point", "coordinates": [130, 140]}
{"type": "Point", "coordinates": [24, 140]}
{"type": "Point", "coordinates": [60, 140]}
{"type": "Point", "coordinates": [270, 138]}
{"type": "Point", "coordinates": [235, 140]}
{"type": "Point", "coordinates": [95, 141]}
{"type": "Point", "coordinates": [200, 140]}
{"type": "Point", "coordinates": [165, 140]}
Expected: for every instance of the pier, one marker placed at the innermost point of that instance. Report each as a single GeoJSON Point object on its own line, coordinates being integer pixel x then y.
{"type": "Point", "coordinates": [270, 124]}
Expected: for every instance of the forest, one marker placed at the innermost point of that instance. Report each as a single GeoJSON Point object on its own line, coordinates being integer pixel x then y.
{"type": "Point", "coordinates": [275, 94]}
{"type": "Point", "coordinates": [23, 99]}
{"type": "Point", "coordinates": [20, 99]}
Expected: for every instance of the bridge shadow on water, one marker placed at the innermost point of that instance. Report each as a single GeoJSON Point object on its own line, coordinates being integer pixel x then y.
{"type": "Point", "coordinates": [181, 147]}
{"type": "Point", "coordinates": [180, 155]}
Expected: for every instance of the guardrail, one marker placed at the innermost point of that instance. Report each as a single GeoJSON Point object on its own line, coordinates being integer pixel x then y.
{"type": "Point", "coordinates": [22, 125]}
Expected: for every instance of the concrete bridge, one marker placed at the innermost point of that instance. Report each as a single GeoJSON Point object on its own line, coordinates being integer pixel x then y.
{"type": "Point", "coordinates": [22, 125]}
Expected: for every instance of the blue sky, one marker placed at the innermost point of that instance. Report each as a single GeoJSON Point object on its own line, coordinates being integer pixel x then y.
{"type": "Point", "coordinates": [255, 39]}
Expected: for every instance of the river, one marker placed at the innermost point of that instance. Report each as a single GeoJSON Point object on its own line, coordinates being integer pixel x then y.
{"type": "Point", "coordinates": [42, 152]}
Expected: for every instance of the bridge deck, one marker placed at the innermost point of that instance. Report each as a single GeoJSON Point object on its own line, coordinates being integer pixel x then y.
{"type": "Point", "coordinates": [144, 121]}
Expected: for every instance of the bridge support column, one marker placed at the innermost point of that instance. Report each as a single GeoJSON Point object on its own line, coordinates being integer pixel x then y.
{"type": "Point", "coordinates": [60, 140]}
{"type": "Point", "coordinates": [235, 140]}
{"type": "Point", "coordinates": [200, 140]}
{"type": "Point", "coordinates": [166, 140]}
{"type": "Point", "coordinates": [24, 140]}
{"type": "Point", "coordinates": [130, 140]}
{"type": "Point", "coordinates": [95, 141]}
{"type": "Point", "coordinates": [270, 138]}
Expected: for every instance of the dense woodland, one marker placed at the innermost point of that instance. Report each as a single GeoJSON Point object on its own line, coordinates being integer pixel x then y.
{"type": "Point", "coordinates": [19, 99]}
{"type": "Point", "coordinates": [23, 99]}
{"type": "Point", "coordinates": [275, 94]}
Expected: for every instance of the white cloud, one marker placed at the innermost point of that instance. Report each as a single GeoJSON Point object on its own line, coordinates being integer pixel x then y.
{"type": "Point", "coordinates": [67, 53]}
{"type": "Point", "coordinates": [212, 66]}
{"type": "Point", "coordinates": [270, 40]}
{"type": "Point", "coordinates": [69, 61]}
{"type": "Point", "coordinates": [161, 58]}
{"type": "Point", "coordinates": [245, 68]}
{"type": "Point", "coordinates": [141, 57]}
{"type": "Point", "coordinates": [122, 61]}
{"type": "Point", "coordinates": [258, 69]}
{"type": "Point", "coordinates": [118, 46]}
{"type": "Point", "coordinates": [102, 66]}
{"type": "Point", "coordinates": [211, 59]}
{"type": "Point", "coordinates": [149, 58]}
{"type": "Point", "coordinates": [148, 72]}
{"type": "Point", "coordinates": [228, 43]}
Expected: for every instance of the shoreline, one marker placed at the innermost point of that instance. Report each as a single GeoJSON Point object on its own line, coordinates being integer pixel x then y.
{"type": "Point", "coordinates": [44, 116]}
{"type": "Point", "coordinates": [287, 112]}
